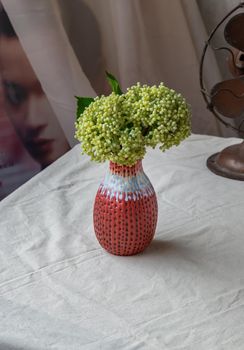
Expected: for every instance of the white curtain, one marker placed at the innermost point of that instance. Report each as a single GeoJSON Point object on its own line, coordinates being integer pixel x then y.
{"type": "Point", "coordinates": [70, 44]}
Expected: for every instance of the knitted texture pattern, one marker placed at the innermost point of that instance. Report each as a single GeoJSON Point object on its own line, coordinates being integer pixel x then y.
{"type": "Point", "coordinates": [125, 210]}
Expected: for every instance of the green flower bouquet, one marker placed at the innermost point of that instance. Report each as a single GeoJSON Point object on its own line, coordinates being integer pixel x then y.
{"type": "Point", "coordinates": [120, 127]}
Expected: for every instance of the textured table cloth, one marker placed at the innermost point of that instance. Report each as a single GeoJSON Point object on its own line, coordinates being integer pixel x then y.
{"type": "Point", "coordinates": [60, 290]}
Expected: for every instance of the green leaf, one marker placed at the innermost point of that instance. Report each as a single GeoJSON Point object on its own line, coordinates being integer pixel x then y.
{"type": "Point", "coordinates": [113, 82]}
{"type": "Point", "coordinates": [82, 103]}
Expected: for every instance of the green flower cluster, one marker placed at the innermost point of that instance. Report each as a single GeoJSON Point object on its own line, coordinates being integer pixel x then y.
{"type": "Point", "coordinates": [120, 127]}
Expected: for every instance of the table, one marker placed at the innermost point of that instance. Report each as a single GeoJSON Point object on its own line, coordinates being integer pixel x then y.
{"type": "Point", "coordinates": [60, 290]}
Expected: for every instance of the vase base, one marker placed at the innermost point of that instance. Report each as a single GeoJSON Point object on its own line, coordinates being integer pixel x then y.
{"type": "Point", "coordinates": [127, 253]}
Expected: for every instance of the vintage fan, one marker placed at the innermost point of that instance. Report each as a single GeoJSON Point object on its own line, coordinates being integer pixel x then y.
{"type": "Point", "coordinates": [226, 98]}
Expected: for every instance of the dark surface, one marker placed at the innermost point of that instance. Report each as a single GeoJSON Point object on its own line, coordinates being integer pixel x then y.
{"type": "Point", "coordinates": [228, 163]}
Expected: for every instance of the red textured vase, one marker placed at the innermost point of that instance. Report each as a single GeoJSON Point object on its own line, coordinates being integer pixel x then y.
{"type": "Point", "coordinates": [125, 210]}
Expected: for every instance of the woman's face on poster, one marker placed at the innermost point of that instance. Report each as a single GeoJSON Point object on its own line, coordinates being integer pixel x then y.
{"type": "Point", "coordinates": [27, 106]}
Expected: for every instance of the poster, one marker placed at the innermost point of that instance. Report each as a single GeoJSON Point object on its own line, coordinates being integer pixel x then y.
{"type": "Point", "coordinates": [31, 137]}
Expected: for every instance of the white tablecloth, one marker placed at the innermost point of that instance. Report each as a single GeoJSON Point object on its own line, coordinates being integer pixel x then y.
{"type": "Point", "coordinates": [60, 290]}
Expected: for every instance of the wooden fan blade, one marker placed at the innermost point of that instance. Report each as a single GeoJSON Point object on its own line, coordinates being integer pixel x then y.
{"type": "Point", "coordinates": [234, 32]}
{"type": "Point", "coordinates": [227, 97]}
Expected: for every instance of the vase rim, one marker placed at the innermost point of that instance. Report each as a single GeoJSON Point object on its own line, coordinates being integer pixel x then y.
{"type": "Point", "coordinates": [125, 170]}
{"type": "Point", "coordinates": [126, 165]}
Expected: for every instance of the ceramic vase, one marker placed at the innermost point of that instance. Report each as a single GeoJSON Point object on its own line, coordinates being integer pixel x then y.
{"type": "Point", "coordinates": [125, 210]}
